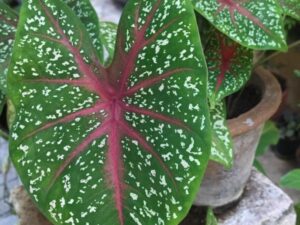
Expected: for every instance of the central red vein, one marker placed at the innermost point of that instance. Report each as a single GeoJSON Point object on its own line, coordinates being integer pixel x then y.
{"type": "Point", "coordinates": [228, 52]}
{"type": "Point", "coordinates": [114, 164]}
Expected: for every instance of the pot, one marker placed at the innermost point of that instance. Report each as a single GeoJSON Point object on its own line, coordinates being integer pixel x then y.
{"type": "Point", "coordinates": [221, 187]}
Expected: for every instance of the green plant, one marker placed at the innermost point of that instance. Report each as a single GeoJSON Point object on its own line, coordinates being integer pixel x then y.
{"type": "Point", "coordinates": [291, 180]}
{"type": "Point", "coordinates": [270, 136]}
{"type": "Point", "coordinates": [109, 133]}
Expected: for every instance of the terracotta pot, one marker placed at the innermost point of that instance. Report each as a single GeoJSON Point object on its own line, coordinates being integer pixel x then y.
{"type": "Point", "coordinates": [220, 186]}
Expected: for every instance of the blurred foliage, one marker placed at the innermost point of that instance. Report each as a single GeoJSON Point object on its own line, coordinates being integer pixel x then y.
{"type": "Point", "coordinates": [291, 180]}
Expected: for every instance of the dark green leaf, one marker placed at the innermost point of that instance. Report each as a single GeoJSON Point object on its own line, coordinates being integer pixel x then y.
{"type": "Point", "coordinates": [259, 166]}
{"type": "Point", "coordinates": [127, 144]}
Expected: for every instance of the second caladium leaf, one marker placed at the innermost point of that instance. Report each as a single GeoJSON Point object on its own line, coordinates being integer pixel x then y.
{"type": "Point", "coordinates": [222, 148]}
{"type": "Point", "coordinates": [229, 66]}
{"type": "Point", "coordinates": [127, 144]}
{"type": "Point", "coordinates": [255, 24]}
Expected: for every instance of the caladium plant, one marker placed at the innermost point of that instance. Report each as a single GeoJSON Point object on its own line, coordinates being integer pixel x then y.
{"type": "Point", "coordinates": [95, 142]}
{"type": "Point", "coordinates": [113, 126]}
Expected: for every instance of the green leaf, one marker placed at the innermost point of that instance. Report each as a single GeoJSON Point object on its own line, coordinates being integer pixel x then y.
{"type": "Point", "coordinates": [108, 33]}
{"type": "Point", "coordinates": [88, 16]}
{"type": "Point", "coordinates": [124, 144]}
{"type": "Point", "coordinates": [254, 24]}
{"type": "Point", "coordinates": [297, 73]}
{"type": "Point", "coordinates": [9, 18]}
{"type": "Point", "coordinates": [291, 180]}
{"type": "Point", "coordinates": [291, 8]}
{"type": "Point", "coordinates": [229, 66]}
{"type": "Point", "coordinates": [270, 136]}
{"type": "Point", "coordinates": [210, 218]}
{"type": "Point", "coordinates": [222, 148]}
{"type": "Point", "coordinates": [8, 24]}
{"type": "Point", "coordinates": [259, 166]}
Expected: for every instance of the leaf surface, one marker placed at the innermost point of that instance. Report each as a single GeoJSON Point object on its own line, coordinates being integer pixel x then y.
{"type": "Point", "coordinates": [222, 148]}
{"type": "Point", "coordinates": [291, 180]}
{"type": "Point", "coordinates": [254, 24]}
{"type": "Point", "coordinates": [126, 144]}
{"type": "Point", "coordinates": [291, 8]}
{"type": "Point", "coordinates": [229, 66]}
{"type": "Point", "coordinates": [211, 218]}
{"type": "Point", "coordinates": [270, 136]}
{"type": "Point", "coordinates": [108, 33]}
{"type": "Point", "coordinates": [8, 25]}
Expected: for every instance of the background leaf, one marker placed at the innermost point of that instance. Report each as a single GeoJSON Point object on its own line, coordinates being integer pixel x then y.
{"type": "Point", "coordinates": [229, 66]}
{"type": "Point", "coordinates": [270, 136]}
{"type": "Point", "coordinates": [222, 148]}
{"type": "Point", "coordinates": [254, 24]}
{"type": "Point", "coordinates": [291, 180]}
{"type": "Point", "coordinates": [291, 8]}
{"type": "Point", "coordinates": [210, 218]}
{"type": "Point", "coordinates": [126, 144]}
{"type": "Point", "coordinates": [8, 25]}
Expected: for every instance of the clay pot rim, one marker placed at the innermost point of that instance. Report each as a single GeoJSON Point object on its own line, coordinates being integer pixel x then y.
{"type": "Point", "coordinates": [268, 105]}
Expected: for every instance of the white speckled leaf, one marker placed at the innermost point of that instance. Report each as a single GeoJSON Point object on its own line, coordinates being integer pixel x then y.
{"type": "Point", "coordinates": [8, 24]}
{"type": "Point", "coordinates": [222, 149]}
{"type": "Point", "coordinates": [254, 24]}
{"type": "Point", "coordinates": [127, 144]}
{"type": "Point", "coordinates": [229, 66]}
{"type": "Point", "coordinates": [108, 33]}
{"type": "Point", "coordinates": [291, 8]}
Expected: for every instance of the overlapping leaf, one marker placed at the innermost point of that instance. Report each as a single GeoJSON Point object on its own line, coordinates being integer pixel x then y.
{"type": "Point", "coordinates": [255, 24]}
{"type": "Point", "coordinates": [85, 137]}
{"type": "Point", "coordinates": [222, 148]}
{"type": "Point", "coordinates": [291, 8]}
{"type": "Point", "coordinates": [229, 66]}
{"type": "Point", "coordinates": [8, 25]}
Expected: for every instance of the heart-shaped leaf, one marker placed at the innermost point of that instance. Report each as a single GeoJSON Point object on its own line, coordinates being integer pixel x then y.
{"type": "Point", "coordinates": [127, 144]}
{"type": "Point", "coordinates": [254, 24]}
{"type": "Point", "coordinates": [222, 148]}
{"type": "Point", "coordinates": [291, 8]}
{"type": "Point", "coordinates": [229, 66]}
{"type": "Point", "coordinates": [8, 25]}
